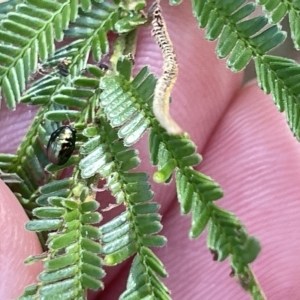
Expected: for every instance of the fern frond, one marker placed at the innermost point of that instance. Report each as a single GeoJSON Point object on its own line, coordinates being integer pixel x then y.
{"type": "Point", "coordinates": [124, 106]}
{"type": "Point", "coordinates": [280, 77]}
{"type": "Point", "coordinates": [278, 9]}
{"type": "Point", "coordinates": [243, 39]}
{"type": "Point", "coordinates": [51, 89]}
{"type": "Point", "coordinates": [196, 193]}
{"type": "Point", "coordinates": [238, 39]}
{"type": "Point", "coordinates": [136, 229]}
{"type": "Point", "coordinates": [93, 26]}
{"type": "Point", "coordinates": [130, 232]}
{"type": "Point", "coordinates": [75, 242]}
{"type": "Point", "coordinates": [133, 232]}
{"type": "Point", "coordinates": [99, 153]}
{"type": "Point", "coordinates": [227, 236]}
{"type": "Point", "coordinates": [103, 15]}
{"type": "Point", "coordinates": [143, 276]}
{"type": "Point", "coordinates": [43, 89]}
{"type": "Point", "coordinates": [125, 102]}
{"type": "Point", "coordinates": [105, 154]}
{"type": "Point", "coordinates": [25, 35]}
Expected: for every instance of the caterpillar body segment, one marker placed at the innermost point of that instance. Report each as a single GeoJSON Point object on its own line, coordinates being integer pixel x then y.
{"type": "Point", "coordinates": [166, 82]}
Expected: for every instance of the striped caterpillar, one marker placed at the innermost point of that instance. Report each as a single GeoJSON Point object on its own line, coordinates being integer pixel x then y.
{"type": "Point", "coordinates": [166, 82]}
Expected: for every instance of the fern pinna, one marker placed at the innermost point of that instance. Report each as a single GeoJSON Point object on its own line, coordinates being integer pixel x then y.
{"type": "Point", "coordinates": [87, 85]}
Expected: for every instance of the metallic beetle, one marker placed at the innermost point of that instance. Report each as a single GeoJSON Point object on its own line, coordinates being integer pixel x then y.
{"type": "Point", "coordinates": [61, 145]}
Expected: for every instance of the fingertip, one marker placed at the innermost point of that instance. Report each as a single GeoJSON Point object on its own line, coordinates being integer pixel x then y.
{"type": "Point", "coordinates": [17, 244]}
{"type": "Point", "coordinates": [256, 160]}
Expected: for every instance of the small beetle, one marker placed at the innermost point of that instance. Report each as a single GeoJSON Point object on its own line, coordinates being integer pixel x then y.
{"type": "Point", "coordinates": [63, 66]}
{"type": "Point", "coordinates": [103, 67]}
{"type": "Point", "coordinates": [61, 144]}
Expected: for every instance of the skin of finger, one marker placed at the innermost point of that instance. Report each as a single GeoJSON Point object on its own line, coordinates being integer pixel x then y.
{"type": "Point", "coordinates": [199, 99]}
{"type": "Point", "coordinates": [256, 160]}
{"type": "Point", "coordinates": [17, 244]}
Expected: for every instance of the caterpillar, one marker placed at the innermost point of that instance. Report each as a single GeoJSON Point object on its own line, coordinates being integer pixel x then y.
{"type": "Point", "coordinates": [166, 82]}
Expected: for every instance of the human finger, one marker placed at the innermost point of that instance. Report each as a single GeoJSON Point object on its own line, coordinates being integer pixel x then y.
{"type": "Point", "coordinates": [17, 244]}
